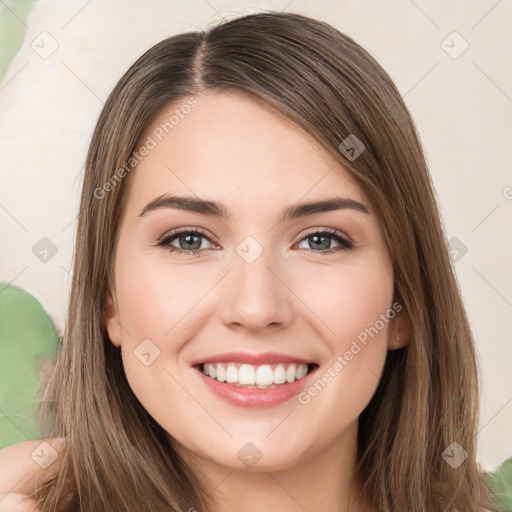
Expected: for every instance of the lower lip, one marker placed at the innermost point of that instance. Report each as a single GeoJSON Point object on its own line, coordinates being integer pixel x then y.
{"type": "Point", "coordinates": [254, 397]}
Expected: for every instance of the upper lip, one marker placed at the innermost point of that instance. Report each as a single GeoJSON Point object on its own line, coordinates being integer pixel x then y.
{"type": "Point", "coordinates": [254, 359]}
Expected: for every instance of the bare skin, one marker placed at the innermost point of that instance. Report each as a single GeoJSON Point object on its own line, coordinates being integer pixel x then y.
{"type": "Point", "coordinates": [291, 299]}
{"type": "Point", "coordinates": [232, 151]}
{"type": "Point", "coordinates": [20, 474]}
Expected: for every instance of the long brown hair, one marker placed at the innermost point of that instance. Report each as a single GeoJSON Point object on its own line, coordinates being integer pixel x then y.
{"type": "Point", "coordinates": [117, 456]}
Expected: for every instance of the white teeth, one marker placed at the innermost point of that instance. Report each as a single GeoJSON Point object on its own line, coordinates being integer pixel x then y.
{"type": "Point", "coordinates": [255, 376]}
{"type": "Point", "coordinates": [301, 371]}
{"type": "Point", "coordinates": [231, 374]}
{"type": "Point", "coordinates": [246, 374]}
{"type": "Point", "coordinates": [291, 373]}
{"type": "Point", "coordinates": [264, 375]}
{"type": "Point", "coordinates": [279, 375]}
{"type": "Point", "coordinates": [221, 373]}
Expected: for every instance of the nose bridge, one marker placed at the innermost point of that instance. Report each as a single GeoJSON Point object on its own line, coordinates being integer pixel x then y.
{"type": "Point", "coordinates": [256, 296]}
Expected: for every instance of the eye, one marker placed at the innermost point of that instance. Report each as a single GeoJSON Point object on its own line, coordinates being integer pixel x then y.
{"type": "Point", "coordinates": [190, 241]}
{"type": "Point", "coordinates": [321, 240]}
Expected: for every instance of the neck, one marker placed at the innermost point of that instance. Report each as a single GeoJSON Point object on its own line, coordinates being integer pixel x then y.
{"type": "Point", "coordinates": [321, 479]}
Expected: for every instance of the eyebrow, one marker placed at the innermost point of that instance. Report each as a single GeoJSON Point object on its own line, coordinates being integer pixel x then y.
{"type": "Point", "coordinates": [214, 209]}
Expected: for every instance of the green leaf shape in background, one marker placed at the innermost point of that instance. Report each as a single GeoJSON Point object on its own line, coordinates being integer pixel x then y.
{"type": "Point", "coordinates": [13, 15]}
{"type": "Point", "coordinates": [501, 484]}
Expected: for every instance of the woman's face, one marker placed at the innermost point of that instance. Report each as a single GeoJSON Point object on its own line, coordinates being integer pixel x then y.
{"type": "Point", "coordinates": [249, 280]}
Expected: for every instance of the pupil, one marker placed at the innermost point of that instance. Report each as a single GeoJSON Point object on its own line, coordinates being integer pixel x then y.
{"type": "Point", "coordinates": [185, 237]}
{"type": "Point", "coordinates": [316, 237]}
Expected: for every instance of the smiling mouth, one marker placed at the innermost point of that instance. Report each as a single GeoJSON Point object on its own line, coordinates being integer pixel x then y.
{"type": "Point", "coordinates": [265, 376]}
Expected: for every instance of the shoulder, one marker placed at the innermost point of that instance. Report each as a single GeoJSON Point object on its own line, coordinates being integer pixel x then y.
{"type": "Point", "coordinates": [21, 464]}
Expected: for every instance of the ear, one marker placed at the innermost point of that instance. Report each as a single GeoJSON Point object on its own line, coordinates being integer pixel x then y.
{"type": "Point", "coordinates": [399, 330]}
{"type": "Point", "coordinates": [111, 318]}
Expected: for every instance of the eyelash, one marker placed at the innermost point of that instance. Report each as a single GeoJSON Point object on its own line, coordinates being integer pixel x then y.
{"type": "Point", "coordinates": [345, 243]}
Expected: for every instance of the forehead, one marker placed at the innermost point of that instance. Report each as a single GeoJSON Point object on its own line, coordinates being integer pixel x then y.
{"type": "Point", "coordinates": [236, 149]}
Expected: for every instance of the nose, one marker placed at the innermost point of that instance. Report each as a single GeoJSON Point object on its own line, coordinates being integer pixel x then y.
{"type": "Point", "coordinates": [257, 296]}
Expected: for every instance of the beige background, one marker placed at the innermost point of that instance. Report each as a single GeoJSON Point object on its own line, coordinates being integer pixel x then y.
{"type": "Point", "coordinates": [461, 102]}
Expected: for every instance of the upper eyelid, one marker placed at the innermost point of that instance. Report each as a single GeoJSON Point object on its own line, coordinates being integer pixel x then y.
{"type": "Point", "coordinates": [304, 234]}
{"type": "Point", "coordinates": [330, 231]}
{"type": "Point", "coordinates": [180, 231]}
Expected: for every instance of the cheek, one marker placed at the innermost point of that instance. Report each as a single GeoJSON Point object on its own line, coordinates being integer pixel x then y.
{"type": "Point", "coordinates": [153, 298]}
{"type": "Point", "coordinates": [347, 300]}
{"type": "Point", "coordinates": [153, 305]}
{"type": "Point", "coordinates": [354, 309]}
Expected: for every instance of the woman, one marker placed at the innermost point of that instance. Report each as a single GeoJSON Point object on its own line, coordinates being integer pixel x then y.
{"type": "Point", "coordinates": [263, 313]}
